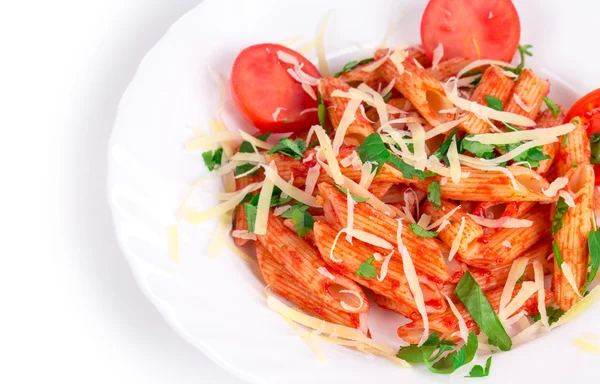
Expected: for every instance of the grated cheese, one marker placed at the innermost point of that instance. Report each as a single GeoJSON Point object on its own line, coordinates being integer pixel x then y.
{"type": "Point", "coordinates": [524, 135]}
{"type": "Point", "coordinates": [462, 325]}
{"type": "Point", "coordinates": [587, 345]}
{"type": "Point", "coordinates": [480, 63]}
{"type": "Point", "coordinates": [568, 272]}
{"type": "Point", "coordinates": [503, 222]}
{"type": "Point", "coordinates": [289, 189]}
{"type": "Point", "coordinates": [352, 160]}
{"type": "Point", "coordinates": [325, 272]}
{"type": "Point", "coordinates": [278, 211]}
{"type": "Point", "coordinates": [287, 58]}
{"type": "Point", "coordinates": [361, 108]}
{"type": "Point", "coordinates": [521, 103]}
{"type": "Point", "coordinates": [378, 256]}
{"type": "Point", "coordinates": [443, 128]}
{"type": "Point", "coordinates": [567, 197]}
{"type": "Point", "coordinates": [309, 90]}
{"type": "Point", "coordinates": [528, 288]}
{"type": "Point", "coordinates": [538, 271]}
{"type": "Point", "coordinates": [196, 217]}
{"type": "Point", "coordinates": [329, 153]}
{"type": "Point", "coordinates": [507, 244]}
{"type": "Point", "coordinates": [424, 220]}
{"type": "Point", "coordinates": [378, 63]}
{"type": "Point", "coordinates": [397, 58]}
{"type": "Point", "coordinates": [439, 221]}
{"type": "Point", "coordinates": [264, 203]}
{"type": "Point", "coordinates": [350, 220]}
{"type": "Point", "coordinates": [516, 271]}
{"type": "Point", "coordinates": [518, 150]}
{"type": "Point", "coordinates": [311, 178]}
{"type": "Point", "coordinates": [367, 175]}
{"type": "Point", "coordinates": [242, 157]}
{"type": "Point", "coordinates": [413, 282]}
{"type": "Point", "coordinates": [555, 186]}
{"type": "Point", "coordinates": [384, 266]}
{"type": "Point", "coordinates": [388, 88]}
{"type": "Point", "coordinates": [457, 238]}
{"type": "Point", "coordinates": [347, 118]}
{"type": "Point", "coordinates": [309, 157]}
{"type": "Point", "coordinates": [254, 141]}
{"type": "Point", "coordinates": [348, 307]}
{"type": "Point", "coordinates": [455, 171]}
{"type": "Point", "coordinates": [438, 54]}
{"type": "Point", "coordinates": [527, 334]}
{"type": "Point", "coordinates": [276, 113]}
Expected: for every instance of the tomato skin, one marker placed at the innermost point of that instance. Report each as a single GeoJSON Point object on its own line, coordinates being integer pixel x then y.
{"type": "Point", "coordinates": [260, 84]}
{"type": "Point", "coordinates": [597, 174]}
{"type": "Point", "coordinates": [465, 28]}
{"type": "Point", "coordinates": [588, 110]}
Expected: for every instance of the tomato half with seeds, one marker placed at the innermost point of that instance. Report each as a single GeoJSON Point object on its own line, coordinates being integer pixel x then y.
{"type": "Point", "coordinates": [475, 29]}
{"type": "Point", "coordinates": [588, 109]}
{"type": "Point", "coordinates": [267, 94]}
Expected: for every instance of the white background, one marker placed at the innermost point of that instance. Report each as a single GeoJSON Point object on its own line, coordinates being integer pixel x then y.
{"type": "Point", "coordinates": [70, 309]}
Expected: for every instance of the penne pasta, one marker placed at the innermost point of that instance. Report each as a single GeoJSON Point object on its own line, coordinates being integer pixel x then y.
{"type": "Point", "coordinates": [493, 83]}
{"type": "Point", "coordinates": [574, 149]}
{"type": "Point", "coordinates": [302, 261]}
{"type": "Point", "coordinates": [380, 189]}
{"type": "Point", "coordinates": [281, 282]}
{"type": "Point", "coordinates": [571, 239]}
{"type": "Point", "coordinates": [423, 91]}
{"type": "Point", "coordinates": [390, 282]}
{"type": "Point", "coordinates": [418, 54]}
{"type": "Point", "coordinates": [426, 254]}
{"type": "Point", "coordinates": [397, 306]}
{"type": "Point", "coordinates": [490, 251]}
{"type": "Point", "coordinates": [527, 95]}
{"type": "Point", "coordinates": [546, 119]}
{"type": "Point", "coordinates": [448, 68]}
{"type": "Point", "coordinates": [360, 127]}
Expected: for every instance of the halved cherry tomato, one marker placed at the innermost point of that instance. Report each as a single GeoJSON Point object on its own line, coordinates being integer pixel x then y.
{"type": "Point", "coordinates": [588, 109]}
{"type": "Point", "coordinates": [475, 29]}
{"type": "Point", "coordinates": [261, 85]}
{"type": "Point", "coordinates": [597, 174]}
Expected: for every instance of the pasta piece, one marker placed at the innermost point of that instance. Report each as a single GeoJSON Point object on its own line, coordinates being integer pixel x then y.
{"type": "Point", "coordinates": [530, 91]}
{"type": "Point", "coordinates": [575, 149]}
{"type": "Point", "coordinates": [448, 68]}
{"type": "Point", "coordinates": [493, 186]}
{"type": "Point", "coordinates": [380, 189]}
{"type": "Point", "coordinates": [280, 281]}
{"type": "Point", "coordinates": [241, 224]}
{"type": "Point", "coordinates": [491, 278]}
{"type": "Point", "coordinates": [572, 238]}
{"type": "Point", "coordinates": [360, 127]}
{"type": "Point", "coordinates": [396, 106]}
{"type": "Point", "coordinates": [360, 75]}
{"type": "Point", "coordinates": [297, 170]}
{"type": "Point", "coordinates": [302, 261]}
{"type": "Point", "coordinates": [425, 253]}
{"type": "Point", "coordinates": [418, 54]}
{"type": "Point", "coordinates": [491, 251]}
{"type": "Point", "coordinates": [546, 119]}
{"type": "Point", "coordinates": [493, 83]}
{"type": "Point", "coordinates": [397, 306]}
{"type": "Point", "coordinates": [398, 194]}
{"type": "Point", "coordinates": [446, 324]}
{"type": "Point", "coordinates": [394, 285]}
{"type": "Point", "coordinates": [471, 230]}
{"type": "Point", "coordinates": [423, 91]}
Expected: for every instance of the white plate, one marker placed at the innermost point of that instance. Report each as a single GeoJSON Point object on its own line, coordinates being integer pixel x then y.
{"type": "Point", "coordinates": [217, 304]}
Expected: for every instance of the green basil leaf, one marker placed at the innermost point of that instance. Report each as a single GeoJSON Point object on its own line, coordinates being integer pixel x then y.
{"type": "Point", "coordinates": [472, 297]}
{"type": "Point", "coordinates": [291, 148]}
{"type": "Point", "coordinates": [356, 198]}
{"type": "Point", "coordinates": [493, 102]}
{"type": "Point", "coordinates": [558, 221]}
{"type": "Point", "coordinates": [422, 232]}
{"type": "Point", "coordinates": [485, 151]}
{"type": "Point", "coordinates": [373, 149]}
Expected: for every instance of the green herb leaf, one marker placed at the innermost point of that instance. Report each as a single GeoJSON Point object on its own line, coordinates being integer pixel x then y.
{"type": "Point", "coordinates": [373, 149]}
{"type": "Point", "coordinates": [552, 107]}
{"type": "Point", "coordinates": [443, 150]}
{"type": "Point", "coordinates": [564, 140]}
{"type": "Point", "coordinates": [472, 297]}
{"type": "Point", "coordinates": [351, 65]}
{"type": "Point", "coordinates": [303, 221]}
{"type": "Point", "coordinates": [533, 156]}
{"type": "Point", "coordinates": [479, 371]}
{"type": "Point", "coordinates": [510, 127]}
{"type": "Point", "coordinates": [557, 254]}
{"type": "Point", "coordinates": [553, 315]}
{"type": "Point", "coordinates": [387, 96]}
{"type": "Point", "coordinates": [367, 270]}
{"type": "Point", "coordinates": [434, 194]}
{"type": "Point", "coordinates": [212, 159]}
{"type": "Point", "coordinates": [520, 280]}
{"type": "Point", "coordinates": [294, 149]}
{"type": "Point", "coordinates": [356, 198]}
{"type": "Point", "coordinates": [246, 147]}
{"type": "Point", "coordinates": [456, 359]}
{"type": "Point", "coordinates": [558, 221]}
{"type": "Point", "coordinates": [321, 111]}
{"type": "Point", "coordinates": [524, 50]}
{"type": "Point", "coordinates": [472, 73]}
{"type": "Point", "coordinates": [595, 148]}
{"type": "Point", "coordinates": [250, 216]}
{"type": "Point", "coordinates": [422, 232]}
{"type": "Point", "coordinates": [408, 171]}
{"type": "Point", "coordinates": [493, 102]}
{"type": "Point", "coordinates": [594, 247]}
{"type": "Point", "coordinates": [485, 151]}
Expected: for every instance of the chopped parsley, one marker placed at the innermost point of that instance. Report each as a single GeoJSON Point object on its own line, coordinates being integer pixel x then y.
{"type": "Point", "coordinates": [595, 148]}
{"type": "Point", "coordinates": [303, 221]}
{"type": "Point", "coordinates": [367, 269]}
{"type": "Point", "coordinates": [493, 102]}
{"type": "Point", "coordinates": [553, 315]}
{"type": "Point", "coordinates": [321, 110]}
{"type": "Point", "coordinates": [564, 140]}
{"type": "Point", "coordinates": [246, 147]}
{"type": "Point", "coordinates": [557, 254]}
{"type": "Point", "coordinates": [352, 64]}
{"type": "Point", "coordinates": [212, 159]}
{"type": "Point", "coordinates": [524, 50]}
{"type": "Point", "coordinates": [434, 194]}
{"type": "Point", "coordinates": [558, 221]}
{"type": "Point", "coordinates": [356, 198]}
{"type": "Point", "coordinates": [551, 106]}
{"type": "Point", "coordinates": [422, 232]}
{"type": "Point", "coordinates": [594, 247]}
{"type": "Point", "coordinates": [289, 147]}
{"type": "Point", "coordinates": [479, 371]}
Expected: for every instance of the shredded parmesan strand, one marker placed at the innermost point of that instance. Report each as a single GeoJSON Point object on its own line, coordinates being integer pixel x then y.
{"type": "Point", "coordinates": [347, 118]}
{"type": "Point", "coordinates": [254, 141]}
{"type": "Point", "coordinates": [329, 154]}
{"type": "Point", "coordinates": [278, 211]}
{"type": "Point", "coordinates": [521, 103]}
{"type": "Point", "coordinates": [567, 197]}
{"type": "Point", "coordinates": [413, 282]}
{"type": "Point", "coordinates": [439, 221]}
{"type": "Point", "coordinates": [350, 308]}
{"type": "Point", "coordinates": [378, 63]}
{"type": "Point", "coordinates": [308, 110]}
{"type": "Point", "coordinates": [350, 221]}
{"type": "Point", "coordinates": [579, 308]}
{"type": "Point", "coordinates": [384, 266]}
{"type": "Point", "coordinates": [325, 272]}
{"type": "Point", "coordinates": [503, 222]}
{"type": "Point", "coordinates": [311, 178]}
{"type": "Point", "coordinates": [568, 272]}
{"type": "Point", "coordinates": [480, 63]}
{"type": "Point", "coordinates": [524, 135]}
{"type": "Point", "coordinates": [555, 186]}
{"type": "Point", "coordinates": [196, 217]}
{"type": "Point", "coordinates": [518, 150]}
{"type": "Point", "coordinates": [276, 113]}
{"type": "Point", "coordinates": [516, 271]}
{"type": "Point", "coordinates": [528, 288]}
{"type": "Point", "coordinates": [538, 271]}
{"type": "Point", "coordinates": [242, 234]}
{"type": "Point", "coordinates": [438, 54]}
{"type": "Point", "coordinates": [289, 189]}
{"type": "Point", "coordinates": [457, 239]}
{"type": "Point", "coordinates": [443, 128]}
{"type": "Point", "coordinates": [462, 325]}
{"type": "Point", "coordinates": [453, 158]}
